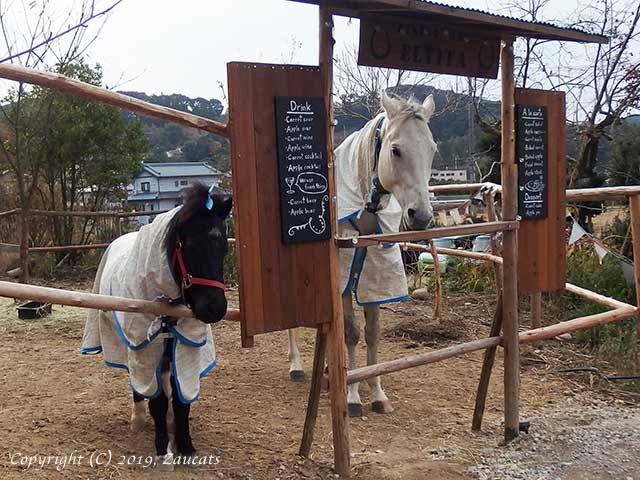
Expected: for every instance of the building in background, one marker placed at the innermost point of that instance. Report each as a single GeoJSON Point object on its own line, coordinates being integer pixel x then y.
{"type": "Point", "coordinates": [159, 185]}
{"type": "Point", "coordinates": [450, 175]}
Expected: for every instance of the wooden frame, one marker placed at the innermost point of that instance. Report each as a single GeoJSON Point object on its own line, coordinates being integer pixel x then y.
{"type": "Point", "coordinates": [332, 334]}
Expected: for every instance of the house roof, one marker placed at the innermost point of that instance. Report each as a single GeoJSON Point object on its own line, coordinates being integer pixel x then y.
{"type": "Point", "coordinates": [180, 169]}
{"type": "Point", "coordinates": [459, 16]}
{"type": "Point", "coordinates": [142, 197]}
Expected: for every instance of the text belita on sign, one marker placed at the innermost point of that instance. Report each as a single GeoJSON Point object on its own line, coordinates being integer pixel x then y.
{"type": "Point", "coordinates": [426, 46]}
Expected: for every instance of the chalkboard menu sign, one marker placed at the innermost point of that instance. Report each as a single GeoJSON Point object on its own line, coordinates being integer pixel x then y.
{"type": "Point", "coordinates": [531, 131]}
{"type": "Point", "coordinates": [302, 167]}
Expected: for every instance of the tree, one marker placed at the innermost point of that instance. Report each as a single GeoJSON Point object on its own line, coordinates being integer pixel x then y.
{"type": "Point", "coordinates": [92, 153]}
{"type": "Point", "coordinates": [624, 166]}
{"type": "Point", "coordinates": [33, 35]}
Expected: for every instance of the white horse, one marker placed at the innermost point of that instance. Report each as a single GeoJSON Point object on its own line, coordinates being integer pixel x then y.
{"type": "Point", "coordinates": [382, 177]}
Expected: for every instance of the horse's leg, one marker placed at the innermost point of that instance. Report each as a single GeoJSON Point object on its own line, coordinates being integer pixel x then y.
{"type": "Point", "coordinates": [168, 387]}
{"type": "Point", "coordinates": [352, 336]}
{"type": "Point", "coordinates": [181, 411]}
{"type": "Point", "coordinates": [296, 373]}
{"type": "Point", "coordinates": [380, 403]}
{"type": "Point", "coordinates": [138, 417]}
{"type": "Point", "coordinates": [158, 410]}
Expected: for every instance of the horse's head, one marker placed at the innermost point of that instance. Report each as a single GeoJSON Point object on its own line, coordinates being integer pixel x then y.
{"type": "Point", "coordinates": [198, 233]}
{"type": "Point", "coordinates": [406, 154]}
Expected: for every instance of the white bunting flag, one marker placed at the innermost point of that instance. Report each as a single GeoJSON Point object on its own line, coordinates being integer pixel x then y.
{"type": "Point", "coordinates": [455, 214]}
{"type": "Point", "coordinates": [577, 232]}
{"type": "Point", "coordinates": [601, 251]}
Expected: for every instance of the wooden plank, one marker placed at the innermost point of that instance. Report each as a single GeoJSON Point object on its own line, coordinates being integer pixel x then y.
{"type": "Point", "coordinates": [485, 372]}
{"type": "Point", "coordinates": [509, 174]}
{"type": "Point", "coordinates": [596, 297]}
{"type": "Point", "coordinates": [62, 83]}
{"type": "Point", "coordinates": [363, 373]}
{"type": "Point", "coordinates": [634, 209]}
{"type": "Point", "coordinates": [543, 269]}
{"type": "Point", "coordinates": [428, 46]}
{"type": "Point", "coordinates": [368, 240]}
{"type": "Point", "coordinates": [536, 310]}
{"type": "Point", "coordinates": [336, 359]}
{"type": "Point", "coordinates": [314, 394]}
{"type": "Point", "coordinates": [281, 272]}
{"type": "Point", "coordinates": [99, 302]}
{"type": "Point", "coordinates": [544, 333]}
{"type": "Point", "coordinates": [456, 15]}
{"type": "Point", "coordinates": [245, 198]}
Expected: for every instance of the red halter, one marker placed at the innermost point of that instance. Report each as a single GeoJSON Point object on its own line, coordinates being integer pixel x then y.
{"type": "Point", "coordinates": [188, 280]}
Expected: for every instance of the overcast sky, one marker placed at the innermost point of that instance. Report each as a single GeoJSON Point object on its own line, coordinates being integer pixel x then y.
{"type": "Point", "coordinates": [169, 46]}
{"type": "Point", "coordinates": [163, 46]}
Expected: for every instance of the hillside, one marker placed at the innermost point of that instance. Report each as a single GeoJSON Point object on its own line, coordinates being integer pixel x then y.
{"type": "Point", "coordinates": [171, 142]}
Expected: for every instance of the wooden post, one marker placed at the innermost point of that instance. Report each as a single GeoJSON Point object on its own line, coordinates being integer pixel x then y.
{"type": "Point", "coordinates": [509, 174]}
{"type": "Point", "coordinates": [436, 272]}
{"type": "Point", "coordinates": [336, 358]}
{"type": "Point", "coordinates": [536, 310]}
{"type": "Point", "coordinates": [492, 217]}
{"type": "Point", "coordinates": [118, 226]}
{"type": "Point", "coordinates": [314, 393]}
{"type": "Point", "coordinates": [634, 209]}
{"type": "Point", "coordinates": [487, 366]}
{"type": "Point", "coordinates": [23, 222]}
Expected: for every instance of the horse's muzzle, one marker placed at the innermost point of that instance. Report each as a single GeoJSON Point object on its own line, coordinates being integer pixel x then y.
{"type": "Point", "coordinates": [212, 308]}
{"type": "Point", "coordinates": [418, 218]}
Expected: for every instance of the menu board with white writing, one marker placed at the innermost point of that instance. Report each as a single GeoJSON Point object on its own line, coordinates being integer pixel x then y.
{"type": "Point", "coordinates": [531, 131]}
{"type": "Point", "coordinates": [302, 165]}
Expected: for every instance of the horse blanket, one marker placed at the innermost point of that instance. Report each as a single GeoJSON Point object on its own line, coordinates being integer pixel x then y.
{"type": "Point", "coordinates": [374, 274]}
{"type": "Point", "coordinates": [136, 266]}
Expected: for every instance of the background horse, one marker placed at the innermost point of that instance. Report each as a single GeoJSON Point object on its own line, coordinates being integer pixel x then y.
{"type": "Point", "coordinates": [178, 257]}
{"type": "Point", "coordinates": [382, 177]}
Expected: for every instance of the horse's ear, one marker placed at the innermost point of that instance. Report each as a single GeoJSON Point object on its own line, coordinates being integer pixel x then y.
{"type": "Point", "coordinates": [389, 104]}
{"type": "Point", "coordinates": [429, 106]}
{"type": "Point", "coordinates": [224, 208]}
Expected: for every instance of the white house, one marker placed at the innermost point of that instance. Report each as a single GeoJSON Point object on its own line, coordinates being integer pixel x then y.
{"type": "Point", "coordinates": [450, 175]}
{"type": "Point", "coordinates": [159, 185]}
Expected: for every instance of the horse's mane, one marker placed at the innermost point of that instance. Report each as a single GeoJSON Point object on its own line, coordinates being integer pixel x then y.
{"type": "Point", "coordinates": [194, 199]}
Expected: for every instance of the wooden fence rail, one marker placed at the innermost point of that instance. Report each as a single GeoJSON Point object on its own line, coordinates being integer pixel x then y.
{"type": "Point", "coordinates": [99, 302]}
{"type": "Point", "coordinates": [91, 92]}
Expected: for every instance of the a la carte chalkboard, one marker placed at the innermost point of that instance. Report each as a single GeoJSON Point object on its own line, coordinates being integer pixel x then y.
{"type": "Point", "coordinates": [302, 167]}
{"type": "Point", "coordinates": [531, 140]}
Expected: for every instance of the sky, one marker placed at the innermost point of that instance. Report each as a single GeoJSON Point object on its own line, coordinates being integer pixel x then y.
{"type": "Point", "coordinates": [169, 46]}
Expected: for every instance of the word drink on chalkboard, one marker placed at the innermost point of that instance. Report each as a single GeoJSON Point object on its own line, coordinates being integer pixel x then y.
{"type": "Point", "coordinates": [531, 152]}
{"type": "Point", "coordinates": [302, 167]}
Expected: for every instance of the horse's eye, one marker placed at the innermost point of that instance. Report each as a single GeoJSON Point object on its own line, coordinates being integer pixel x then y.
{"type": "Point", "coordinates": [395, 151]}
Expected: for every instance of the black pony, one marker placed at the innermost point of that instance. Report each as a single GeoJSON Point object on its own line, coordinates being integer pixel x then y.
{"type": "Point", "coordinates": [196, 244]}
{"type": "Point", "coordinates": [194, 240]}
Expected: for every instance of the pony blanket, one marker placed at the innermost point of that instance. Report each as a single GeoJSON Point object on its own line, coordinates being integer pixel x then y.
{"type": "Point", "coordinates": [374, 274]}
{"type": "Point", "coordinates": [136, 266]}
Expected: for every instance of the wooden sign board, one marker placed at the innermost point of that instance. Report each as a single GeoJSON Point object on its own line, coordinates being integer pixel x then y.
{"type": "Point", "coordinates": [282, 285]}
{"type": "Point", "coordinates": [397, 42]}
{"type": "Point", "coordinates": [301, 125]}
{"type": "Point", "coordinates": [541, 157]}
{"type": "Point", "coordinates": [531, 153]}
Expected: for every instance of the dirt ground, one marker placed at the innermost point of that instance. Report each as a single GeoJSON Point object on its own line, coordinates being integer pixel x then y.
{"type": "Point", "coordinates": [249, 417]}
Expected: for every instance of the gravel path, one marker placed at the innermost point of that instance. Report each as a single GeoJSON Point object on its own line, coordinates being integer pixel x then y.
{"type": "Point", "coordinates": [570, 442]}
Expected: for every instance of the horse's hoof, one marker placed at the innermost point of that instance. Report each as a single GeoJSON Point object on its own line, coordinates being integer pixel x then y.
{"type": "Point", "coordinates": [383, 406]}
{"type": "Point", "coordinates": [296, 376]}
{"type": "Point", "coordinates": [165, 462]}
{"type": "Point", "coordinates": [355, 409]}
{"type": "Point", "coordinates": [138, 423]}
